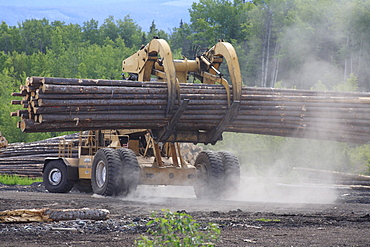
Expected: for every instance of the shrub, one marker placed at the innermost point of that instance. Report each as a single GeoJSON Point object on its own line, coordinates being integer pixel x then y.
{"type": "Point", "coordinates": [178, 229]}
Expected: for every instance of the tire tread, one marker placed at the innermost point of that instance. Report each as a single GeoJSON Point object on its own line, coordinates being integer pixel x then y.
{"type": "Point", "coordinates": [215, 170]}
{"type": "Point", "coordinates": [112, 160]}
{"type": "Point", "coordinates": [232, 172]}
{"type": "Point", "coordinates": [131, 171]}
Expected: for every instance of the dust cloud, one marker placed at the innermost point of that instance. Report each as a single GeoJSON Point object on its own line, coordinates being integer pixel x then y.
{"type": "Point", "coordinates": [286, 170]}
{"type": "Point", "coordinates": [162, 191]}
{"type": "Point", "coordinates": [274, 183]}
{"type": "Point", "coordinates": [277, 190]}
{"type": "Point", "coordinates": [252, 189]}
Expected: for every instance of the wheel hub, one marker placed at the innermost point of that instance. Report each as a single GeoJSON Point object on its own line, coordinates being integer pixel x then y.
{"type": "Point", "coordinates": [101, 172]}
{"type": "Point", "coordinates": [55, 176]}
{"type": "Point", "coordinates": [202, 172]}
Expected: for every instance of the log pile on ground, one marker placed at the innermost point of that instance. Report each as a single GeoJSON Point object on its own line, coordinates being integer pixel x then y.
{"type": "Point", "coordinates": [59, 104]}
{"type": "Point", "coordinates": [46, 214]}
{"type": "Point", "coordinates": [27, 159]}
{"type": "Point", "coordinates": [354, 181]}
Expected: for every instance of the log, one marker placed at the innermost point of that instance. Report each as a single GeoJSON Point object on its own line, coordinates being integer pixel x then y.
{"type": "Point", "coordinates": [17, 102]}
{"type": "Point", "coordinates": [360, 187]}
{"type": "Point", "coordinates": [92, 102]}
{"type": "Point", "coordinates": [69, 109]}
{"type": "Point", "coordinates": [72, 89]}
{"type": "Point", "coordinates": [103, 82]}
{"type": "Point", "coordinates": [74, 96]}
{"type": "Point", "coordinates": [59, 104]}
{"type": "Point", "coordinates": [29, 125]}
{"type": "Point", "coordinates": [94, 82]}
{"type": "Point", "coordinates": [47, 215]}
{"type": "Point", "coordinates": [19, 94]}
{"type": "Point", "coordinates": [338, 176]}
{"type": "Point", "coordinates": [266, 90]}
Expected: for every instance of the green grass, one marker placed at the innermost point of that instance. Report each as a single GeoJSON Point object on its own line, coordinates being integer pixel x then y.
{"type": "Point", "coordinates": [16, 180]}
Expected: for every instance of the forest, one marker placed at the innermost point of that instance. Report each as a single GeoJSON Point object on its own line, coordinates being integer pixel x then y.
{"type": "Point", "coordinates": [303, 44]}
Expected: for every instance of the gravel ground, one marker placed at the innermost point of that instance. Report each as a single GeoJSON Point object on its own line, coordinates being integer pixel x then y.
{"type": "Point", "coordinates": [343, 222]}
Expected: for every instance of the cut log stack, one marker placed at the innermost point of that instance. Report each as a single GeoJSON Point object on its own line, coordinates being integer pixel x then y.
{"type": "Point", "coordinates": [27, 159]}
{"type": "Point", "coordinates": [59, 104]}
{"type": "Point", "coordinates": [354, 181]}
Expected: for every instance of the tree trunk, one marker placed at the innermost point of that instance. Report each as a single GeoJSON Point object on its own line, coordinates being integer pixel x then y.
{"type": "Point", "coordinates": [45, 214]}
{"type": "Point", "coordinates": [360, 53]}
{"type": "Point", "coordinates": [263, 62]}
{"type": "Point", "coordinates": [275, 69]}
{"type": "Point", "coordinates": [267, 51]}
{"type": "Point", "coordinates": [345, 62]}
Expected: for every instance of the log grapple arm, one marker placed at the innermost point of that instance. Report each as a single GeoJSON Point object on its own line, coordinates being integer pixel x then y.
{"type": "Point", "coordinates": [155, 59]}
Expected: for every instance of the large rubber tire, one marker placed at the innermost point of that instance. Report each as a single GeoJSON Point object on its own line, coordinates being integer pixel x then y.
{"type": "Point", "coordinates": [106, 171]}
{"type": "Point", "coordinates": [83, 185]}
{"type": "Point", "coordinates": [130, 171]}
{"type": "Point", "coordinates": [232, 173]}
{"type": "Point", "coordinates": [55, 177]}
{"type": "Point", "coordinates": [210, 175]}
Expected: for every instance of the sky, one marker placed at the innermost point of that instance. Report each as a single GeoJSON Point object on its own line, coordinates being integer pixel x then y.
{"type": "Point", "coordinates": [166, 14]}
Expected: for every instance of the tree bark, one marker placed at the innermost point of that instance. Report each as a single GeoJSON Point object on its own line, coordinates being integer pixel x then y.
{"type": "Point", "coordinates": [46, 214]}
{"type": "Point", "coordinates": [267, 50]}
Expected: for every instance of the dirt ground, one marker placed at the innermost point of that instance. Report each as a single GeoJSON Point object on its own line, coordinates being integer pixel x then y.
{"type": "Point", "coordinates": [343, 222]}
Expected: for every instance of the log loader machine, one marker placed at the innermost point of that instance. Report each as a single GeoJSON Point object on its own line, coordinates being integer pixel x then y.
{"type": "Point", "coordinates": [115, 162]}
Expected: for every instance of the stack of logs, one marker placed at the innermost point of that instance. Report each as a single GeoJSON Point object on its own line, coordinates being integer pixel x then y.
{"type": "Point", "coordinates": [57, 104]}
{"type": "Point", "coordinates": [27, 159]}
{"type": "Point", "coordinates": [353, 181]}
